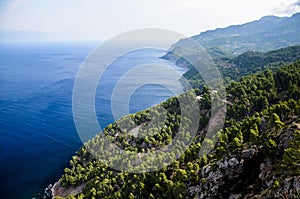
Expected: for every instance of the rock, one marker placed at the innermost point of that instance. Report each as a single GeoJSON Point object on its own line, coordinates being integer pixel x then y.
{"type": "Point", "coordinates": [215, 176]}
{"type": "Point", "coordinates": [296, 184]}
{"type": "Point", "coordinates": [58, 190]}
{"type": "Point", "coordinates": [285, 138]}
{"type": "Point", "coordinates": [223, 164]}
{"type": "Point", "coordinates": [194, 189]}
{"type": "Point", "coordinates": [287, 185]}
{"type": "Point", "coordinates": [235, 196]}
{"type": "Point", "coordinates": [290, 188]}
{"type": "Point", "coordinates": [233, 162]}
{"type": "Point", "coordinates": [205, 170]}
{"type": "Point", "coordinates": [265, 169]}
{"type": "Point", "coordinates": [249, 153]}
{"type": "Point", "coordinates": [263, 124]}
{"type": "Point", "coordinates": [228, 169]}
{"type": "Point", "coordinates": [198, 98]}
{"type": "Point", "coordinates": [47, 192]}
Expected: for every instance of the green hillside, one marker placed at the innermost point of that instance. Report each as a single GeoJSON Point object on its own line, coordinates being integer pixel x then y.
{"type": "Point", "coordinates": [268, 33]}
{"type": "Point", "coordinates": [247, 63]}
{"type": "Point", "coordinates": [256, 154]}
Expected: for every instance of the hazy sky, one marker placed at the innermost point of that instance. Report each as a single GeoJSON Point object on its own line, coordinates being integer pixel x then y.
{"type": "Point", "coordinates": [101, 19]}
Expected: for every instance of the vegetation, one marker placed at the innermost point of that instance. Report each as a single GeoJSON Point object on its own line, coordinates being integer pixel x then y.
{"type": "Point", "coordinates": [245, 64]}
{"type": "Point", "coordinates": [261, 129]}
{"type": "Point", "coordinates": [268, 33]}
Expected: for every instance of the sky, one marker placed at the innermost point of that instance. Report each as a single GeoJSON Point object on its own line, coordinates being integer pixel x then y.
{"type": "Point", "coordinates": [102, 19]}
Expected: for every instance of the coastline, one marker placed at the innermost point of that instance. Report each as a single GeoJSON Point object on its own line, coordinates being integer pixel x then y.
{"type": "Point", "coordinates": [58, 190]}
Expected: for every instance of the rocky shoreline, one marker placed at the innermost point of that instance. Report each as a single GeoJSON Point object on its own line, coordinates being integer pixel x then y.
{"type": "Point", "coordinates": [59, 190]}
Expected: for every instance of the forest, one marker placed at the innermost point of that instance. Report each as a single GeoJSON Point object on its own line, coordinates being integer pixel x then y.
{"type": "Point", "coordinates": [255, 154]}
{"type": "Point", "coordinates": [250, 62]}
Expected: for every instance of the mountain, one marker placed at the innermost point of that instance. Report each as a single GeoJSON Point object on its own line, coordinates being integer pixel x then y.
{"type": "Point", "coordinates": [247, 63]}
{"type": "Point", "coordinates": [251, 62]}
{"type": "Point", "coordinates": [255, 156]}
{"type": "Point", "coordinates": [266, 34]}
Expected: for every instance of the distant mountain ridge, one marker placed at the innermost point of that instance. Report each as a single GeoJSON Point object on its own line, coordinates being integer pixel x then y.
{"type": "Point", "coordinates": [266, 34]}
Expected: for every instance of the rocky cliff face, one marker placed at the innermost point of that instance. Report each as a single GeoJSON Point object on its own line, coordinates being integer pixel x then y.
{"type": "Point", "coordinates": [249, 174]}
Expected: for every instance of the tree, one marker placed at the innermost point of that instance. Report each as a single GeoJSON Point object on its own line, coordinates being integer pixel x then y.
{"type": "Point", "coordinates": [291, 157]}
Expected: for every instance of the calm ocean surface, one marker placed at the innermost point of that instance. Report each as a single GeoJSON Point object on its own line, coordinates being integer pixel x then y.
{"type": "Point", "coordinates": [37, 132]}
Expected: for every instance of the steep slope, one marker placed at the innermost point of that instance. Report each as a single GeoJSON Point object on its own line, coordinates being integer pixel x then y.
{"type": "Point", "coordinates": [256, 154]}
{"type": "Point", "coordinates": [268, 33]}
{"type": "Point", "coordinates": [251, 62]}
{"type": "Point", "coordinates": [247, 63]}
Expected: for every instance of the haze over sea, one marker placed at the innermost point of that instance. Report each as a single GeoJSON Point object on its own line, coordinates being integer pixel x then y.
{"type": "Point", "coordinates": [37, 132]}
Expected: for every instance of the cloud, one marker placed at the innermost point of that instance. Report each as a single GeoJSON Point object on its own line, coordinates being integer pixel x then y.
{"type": "Point", "coordinates": [14, 4]}
{"type": "Point", "coordinates": [103, 19]}
{"type": "Point", "coordinates": [297, 3]}
{"type": "Point", "coordinates": [287, 7]}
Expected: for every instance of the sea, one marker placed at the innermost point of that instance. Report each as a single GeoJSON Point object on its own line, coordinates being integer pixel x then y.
{"type": "Point", "coordinates": [37, 131]}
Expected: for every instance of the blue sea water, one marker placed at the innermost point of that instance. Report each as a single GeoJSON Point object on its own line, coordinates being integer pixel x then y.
{"type": "Point", "coordinates": [37, 131]}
